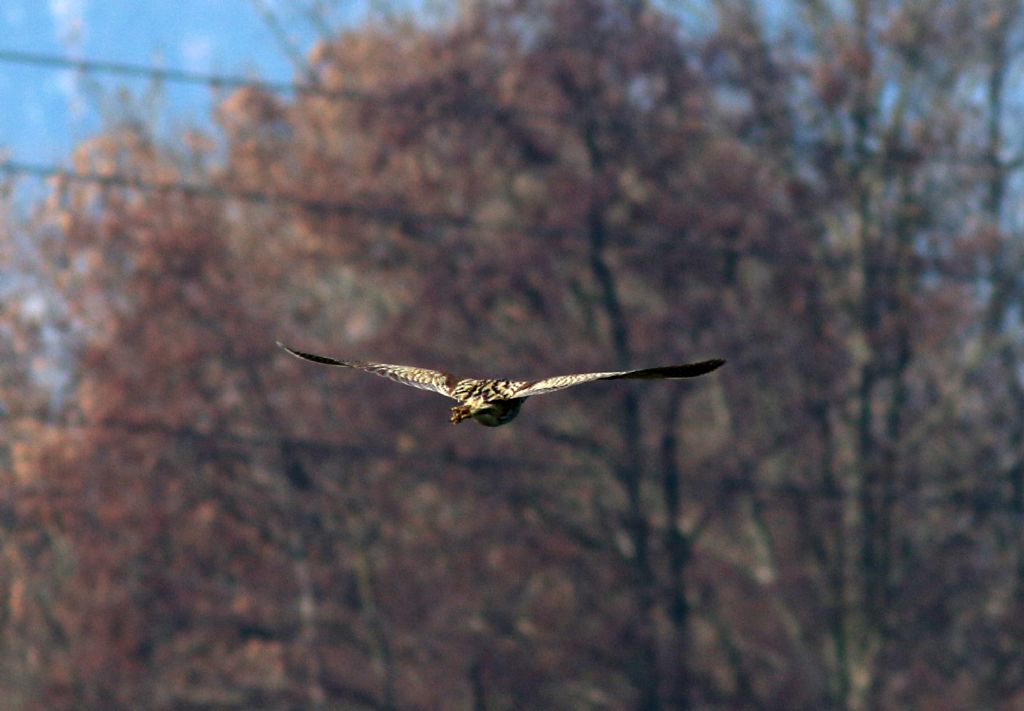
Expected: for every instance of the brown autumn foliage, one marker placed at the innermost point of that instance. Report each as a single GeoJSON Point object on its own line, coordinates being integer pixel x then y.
{"type": "Point", "coordinates": [834, 520]}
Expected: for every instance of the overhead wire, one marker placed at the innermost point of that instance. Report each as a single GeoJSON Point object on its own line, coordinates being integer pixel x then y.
{"type": "Point", "coordinates": [374, 212]}
{"type": "Point", "coordinates": [182, 76]}
{"type": "Point", "coordinates": [228, 81]}
{"type": "Point", "coordinates": [387, 214]}
{"type": "Point", "coordinates": [473, 105]}
{"type": "Point", "coordinates": [397, 97]}
{"type": "Point", "coordinates": [404, 216]}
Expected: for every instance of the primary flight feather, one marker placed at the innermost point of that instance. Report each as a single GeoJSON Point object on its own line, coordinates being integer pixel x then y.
{"type": "Point", "coordinates": [495, 402]}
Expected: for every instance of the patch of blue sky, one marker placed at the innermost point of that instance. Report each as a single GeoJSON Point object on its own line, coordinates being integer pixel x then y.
{"type": "Point", "coordinates": [51, 110]}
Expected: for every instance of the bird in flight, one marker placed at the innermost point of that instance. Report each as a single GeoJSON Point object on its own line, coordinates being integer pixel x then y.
{"type": "Point", "coordinates": [494, 402]}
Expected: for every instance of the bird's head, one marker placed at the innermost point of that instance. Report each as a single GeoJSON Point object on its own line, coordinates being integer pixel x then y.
{"type": "Point", "coordinates": [490, 414]}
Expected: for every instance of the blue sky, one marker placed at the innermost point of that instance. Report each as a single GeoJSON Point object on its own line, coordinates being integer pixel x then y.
{"type": "Point", "coordinates": [46, 111]}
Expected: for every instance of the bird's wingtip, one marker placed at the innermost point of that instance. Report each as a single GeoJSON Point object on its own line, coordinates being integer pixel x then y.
{"type": "Point", "coordinates": [286, 349]}
{"type": "Point", "coordinates": [714, 364]}
{"type": "Point", "coordinates": [706, 366]}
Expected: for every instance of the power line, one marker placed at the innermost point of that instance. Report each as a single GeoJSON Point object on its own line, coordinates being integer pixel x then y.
{"type": "Point", "coordinates": [178, 75]}
{"type": "Point", "coordinates": [378, 213]}
{"type": "Point", "coordinates": [406, 217]}
{"type": "Point", "coordinates": [474, 105]}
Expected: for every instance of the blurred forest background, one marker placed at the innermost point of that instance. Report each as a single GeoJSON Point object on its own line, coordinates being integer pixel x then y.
{"type": "Point", "coordinates": [827, 194]}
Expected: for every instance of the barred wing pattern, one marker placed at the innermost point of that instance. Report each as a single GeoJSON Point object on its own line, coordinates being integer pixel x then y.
{"type": "Point", "coordinates": [488, 390]}
{"type": "Point", "coordinates": [422, 378]}
{"type": "Point", "coordinates": [669, 372]}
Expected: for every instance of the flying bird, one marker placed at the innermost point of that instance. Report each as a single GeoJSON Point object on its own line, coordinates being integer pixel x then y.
{"type": "Point", "coordinates": [494, 402]}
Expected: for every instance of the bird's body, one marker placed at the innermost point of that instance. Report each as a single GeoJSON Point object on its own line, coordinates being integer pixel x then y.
{"type": "Point", "coordinates": [494, 402]}
{"type": "Point", "coordinates": [489, 402]}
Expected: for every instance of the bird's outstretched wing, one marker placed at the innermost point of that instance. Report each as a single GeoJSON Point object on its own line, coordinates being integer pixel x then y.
{"type": "Point", "coordinates": [422, 378]}
{"type": "Point", "coordinates": [669, 372]}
